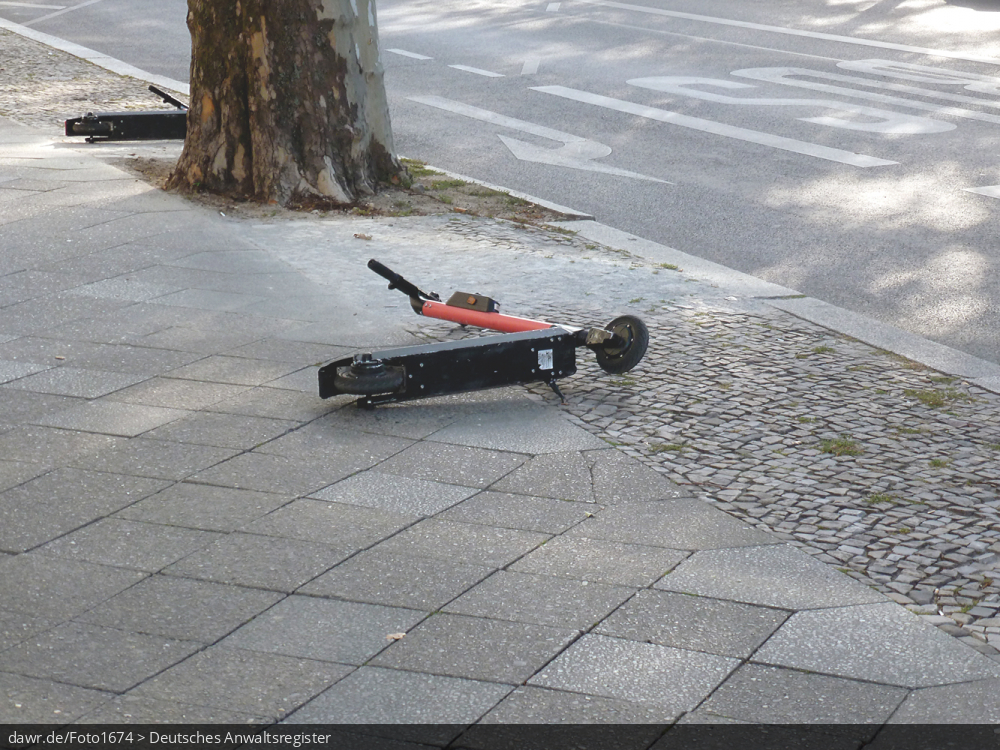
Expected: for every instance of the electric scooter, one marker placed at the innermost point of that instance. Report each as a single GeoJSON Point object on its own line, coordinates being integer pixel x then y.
{"type": "Point", "coordinates": [528, 351]}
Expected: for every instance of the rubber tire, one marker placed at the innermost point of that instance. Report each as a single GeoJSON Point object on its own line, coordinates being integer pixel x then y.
{"type": "Point", "coordinates": [616, 360]}
{"type": "Point", "coordinates": [368, 384]}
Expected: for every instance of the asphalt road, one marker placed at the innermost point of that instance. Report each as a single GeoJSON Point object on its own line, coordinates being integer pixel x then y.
{"type": "Point", "coordinates": [831, 147]}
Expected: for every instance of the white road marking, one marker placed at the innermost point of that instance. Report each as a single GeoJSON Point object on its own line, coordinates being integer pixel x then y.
{"type": "Point", "coordinates": [61, 11]}
{"type": "Point", "coordinates": [718, 128]}
{"type": "Point", "coordinates": [783, 77]}
{"type": "Point", "coordinates": [531, 66]}
{"type": "Point", "coordinates": [991, 191]}
{"type": "Point", "coordinates": [552, 8]}
{"type": "Point", "coordinates": [404, 53]}
{"type": "Point", "coordinates": [477, 71]}
{"type": "Point", "coordinates": [32, 5]}
{"type": "Point", "coordinates": [925, 74]}
{"type": "Point", "coordinates": [886, 121]}
{"type": "Point", "coordinates": [795, 32]}
{"type": "Point", "coordinates": [576, 152]}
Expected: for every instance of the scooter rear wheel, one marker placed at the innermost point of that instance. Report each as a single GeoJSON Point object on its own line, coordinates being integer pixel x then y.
{"type": "Point", "coordinates": [368, 377]}
{"type": "Point", "coordinates": [619, 359]}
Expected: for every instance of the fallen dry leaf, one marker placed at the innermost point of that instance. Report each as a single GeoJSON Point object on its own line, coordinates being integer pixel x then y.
{"type": "Point", "coordinates": [395, 636]}
{"type": "Point", "coordinates": [363, 236]}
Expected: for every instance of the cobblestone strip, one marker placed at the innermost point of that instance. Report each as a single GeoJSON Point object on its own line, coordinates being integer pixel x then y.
{"type": "Point", "coordinates": [873, 464]}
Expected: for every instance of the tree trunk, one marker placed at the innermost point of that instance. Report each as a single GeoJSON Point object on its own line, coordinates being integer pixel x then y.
{"type": "Point", "coordinates": [288, 102]}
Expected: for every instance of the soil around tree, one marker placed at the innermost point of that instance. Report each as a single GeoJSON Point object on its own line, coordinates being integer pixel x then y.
{"type": "Point", "coordinates": [430, 192]}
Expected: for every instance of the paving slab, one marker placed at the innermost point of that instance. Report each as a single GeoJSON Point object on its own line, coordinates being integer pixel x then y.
{"type": "Point", "coordinates": [176, 393]}
{"type": "Point", "coordinates": [159, 459]}
{"type": "Point", "coordinates": [130, 544]}
{"type": "Point", "coordinates": [374, 696]}
{"type": "Point", "coordinates": [95, 657]}
{"type": "Point", "coordinates": [278, 474]}
{"type": "Point", "coordinates": [511, 511]}
{"type": "Point", "coordinates": [112, 418]}
{"type": "Point", "coordinates": [620, 478]}
{"type": "Point", "coordinates": [452, 464]}
{"type": "Point", "coordinates": [673, 680]}
{"type": "Point", "coordinates": [772, 576]}
{"type": "Point", "coordinates": [258, 684]}
{"type": "Point", "coordinates": [875, 642]}
{"type": "Point", "coordinates": [678, 524]}
{"type": "Point", "coordinates": [324, 629]}
{"type": "Point", "coordinates": [771, 695]}
{"type": "Point", "coordinates": [51, 447]}
{"type": "Point", "coordinates": [181, 608]}
{"type": "Point", "coordinates": [201, 506]}
{"type": "Point", "coordinates": [29, 700]}
{"type": "Point", "coordinates": [476, 648]}
{"type": "Point", "coordinates": [520, 428]}
{"type": "Point", "coordinates": [394, 493]}
{"type": "Point", "coordinates": [345, 526]}
{"type": "Point", "coordinates": [563, 476]}
{"type": "Point", "coordinates": [76, 381]}
{"type": "Point", "coordinates": [59, 588]}
{"type": "Point", "coordinates": [324, 439]}
{"type": "Point", "coordinates": [399, 579]}
{"type": "Point", "coordinates": [600, 561]}
{"type": "Point", "coordinates": [542, 600]}
{"type": "Point", "coordinates": [693, 622]}
{"type": "Point", "coordinates": [463, 542]}
{"type": "Point", "coordinates": [129, 709]}
{"type": "Point", "coordinates": [534, 706]}
{"type": "Point", "coordinates": [259, 561]}
{"type": "Point", "coordinates": [16, 627]}
{"type": "Point", "coordinates": [60, 501]}
{"type": "Point", "coordinates": [233, 370]}
{"type": "Point", "coordinates": [975, 702]}
{"type": "Point", "coordinates": [222, 430]}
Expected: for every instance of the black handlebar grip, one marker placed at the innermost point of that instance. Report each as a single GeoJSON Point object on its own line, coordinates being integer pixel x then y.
{"type": "Point", "coordinates": [398, 282]}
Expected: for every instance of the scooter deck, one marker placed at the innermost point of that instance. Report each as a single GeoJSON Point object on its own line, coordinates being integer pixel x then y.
{"type": "Point", "coordinates": [469, 365]}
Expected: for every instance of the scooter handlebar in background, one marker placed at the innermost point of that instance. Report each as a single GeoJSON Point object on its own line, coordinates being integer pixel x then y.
{"type": "Point", "coordinates": [398, 282]}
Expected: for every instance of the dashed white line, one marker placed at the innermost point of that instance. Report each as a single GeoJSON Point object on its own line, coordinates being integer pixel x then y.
{"type": "Point", "coordinates": [552, 7]}
{"type": "Point", "coordinates": [404, 53]}
{"type": "Point", "coordinates": [477, 71]}
{"type": "Point", "coordinates": [530, 66]}
{"type": "Point", "coordinates": [990, 191]}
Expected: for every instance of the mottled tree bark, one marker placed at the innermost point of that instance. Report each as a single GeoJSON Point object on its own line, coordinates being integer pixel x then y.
{"type": "Point", "coordinates": [288, 102]}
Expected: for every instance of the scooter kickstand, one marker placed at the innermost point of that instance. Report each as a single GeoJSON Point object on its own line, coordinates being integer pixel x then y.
{"type": "Point", "coordinates": [555, 389]}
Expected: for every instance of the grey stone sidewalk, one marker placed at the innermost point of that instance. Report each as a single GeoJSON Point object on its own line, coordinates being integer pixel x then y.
{"type": "Point", "coordinates": [188, 534]}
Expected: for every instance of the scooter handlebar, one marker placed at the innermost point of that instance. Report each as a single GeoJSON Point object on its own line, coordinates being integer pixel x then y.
{"type": "Point", "coordinates": [398, 282]}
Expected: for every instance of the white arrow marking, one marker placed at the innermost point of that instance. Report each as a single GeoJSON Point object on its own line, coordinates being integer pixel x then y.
{"type": "Point", "coordinates": [576, 153]}
{"type": "Point", "coordinates": [717, 128]}
{"type": "Point", "coordinates": [573, 155]}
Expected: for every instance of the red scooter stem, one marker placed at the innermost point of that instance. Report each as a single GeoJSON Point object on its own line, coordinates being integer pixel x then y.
{"type": "Point", "coordinates": [491, 320]}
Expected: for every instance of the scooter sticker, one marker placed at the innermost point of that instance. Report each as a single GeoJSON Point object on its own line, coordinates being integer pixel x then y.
{"type": "Point", "coordinates": [545, 359]}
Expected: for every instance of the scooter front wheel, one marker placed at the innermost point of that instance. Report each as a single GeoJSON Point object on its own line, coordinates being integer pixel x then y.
{"type": "Point", "coordinates": [622, 358]}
